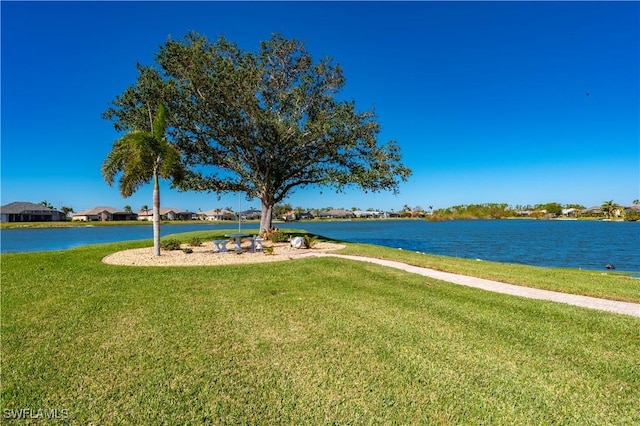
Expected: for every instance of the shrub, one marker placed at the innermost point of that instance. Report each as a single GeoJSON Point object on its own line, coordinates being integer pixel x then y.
{"type": "Point", "coordinates": [267, 250]}
{"type": "Point", "coordinates": [277, 237]}
{"type": "Point", "coordinates": [187, 250]}
{"type": "Point", "coordinates": [310, 241]}
{"type": "Point", "coordinates": [633, 215]}
{"type": "Point", "coordinates": [195, 242]}
{"type": "Point", "coordinates": [170, 244]}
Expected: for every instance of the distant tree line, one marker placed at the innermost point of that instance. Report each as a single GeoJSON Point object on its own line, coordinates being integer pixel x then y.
{"type": "Point", "coordinates": [608, 210]}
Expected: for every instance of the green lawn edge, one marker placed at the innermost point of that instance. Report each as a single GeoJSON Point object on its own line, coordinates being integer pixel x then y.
{"type": "Point", "coordinates": [310, 341]}
{"type": "Point", "coordinates": [605, 285]}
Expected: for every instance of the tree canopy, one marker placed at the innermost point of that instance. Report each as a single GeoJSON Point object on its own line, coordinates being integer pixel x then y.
{"type": "Point", "coordinates": [264, 123]}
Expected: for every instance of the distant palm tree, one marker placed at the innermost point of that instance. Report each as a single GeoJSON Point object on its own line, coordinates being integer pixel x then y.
{"type": "Point", "coordinates": [47, 204]}
{"type": "Point", "coordinates": [127, 209]}
{"type": "Point", "coordinates": [66, 210]}
{"type": "Point", "coordinates": [610, 208]}
{"type": "Point", "coordinates": [142, 156]}
{"type": "Point", "coordinates": [636, 202]}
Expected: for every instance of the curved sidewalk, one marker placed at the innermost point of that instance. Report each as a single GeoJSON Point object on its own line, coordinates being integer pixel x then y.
{"type": "Point", "coordinates": [625, 308]}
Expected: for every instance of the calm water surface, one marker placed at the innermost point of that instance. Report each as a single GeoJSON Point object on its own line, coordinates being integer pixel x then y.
{"type": "Point", "coordinates": [566, 244]}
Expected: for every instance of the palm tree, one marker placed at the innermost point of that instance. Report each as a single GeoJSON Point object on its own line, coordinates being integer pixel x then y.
{"type": "Point", "coordinates": [142, 156]}
{"type": "Point", "coordinates": [610, 208]}
{"type": "Point", "coordinates": [66, 210]}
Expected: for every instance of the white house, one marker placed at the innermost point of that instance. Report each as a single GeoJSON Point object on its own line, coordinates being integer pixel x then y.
{"type": "Point", "coordinates": [370, 214]}
{"type": "Point", "coordinates": [218, 214]}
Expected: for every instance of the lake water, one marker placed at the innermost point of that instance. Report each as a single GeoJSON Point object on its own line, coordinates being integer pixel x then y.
{"type": "Point", "coordinates": [567, 244]}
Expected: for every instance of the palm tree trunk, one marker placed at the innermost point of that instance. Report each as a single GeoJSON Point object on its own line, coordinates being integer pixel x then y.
{"type": "Point", "coordinates": [156, 215]}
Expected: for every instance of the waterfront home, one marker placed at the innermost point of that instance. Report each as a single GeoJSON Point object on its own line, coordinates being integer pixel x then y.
{"type": "Point", "coordinates": [633, 208]}
{"type": "Point", "coordinates": [368, 214]}
{"type": "Point", "coordinates": [307, 215]}
{"type": "Point", "coordinates": [24, 211]}
{"type": "Point", "coordinates": [167, 213]}
{"type": "Point", "coordinates": [593, 211]}
{"type": "Point", "coordinates": [103, 214]}
{"type": "Point", "coordinates": [335, 214]}
{"type": "Point", "coordinates": [289, 216]}
{"type": "Point", "coordinates": [218, 214]}
{"type": "Point", "coordinates": [251, 214]}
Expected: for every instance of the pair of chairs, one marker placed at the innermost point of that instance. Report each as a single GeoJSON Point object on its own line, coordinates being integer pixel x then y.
{"type": "Point", "coordinates": [220, 246]}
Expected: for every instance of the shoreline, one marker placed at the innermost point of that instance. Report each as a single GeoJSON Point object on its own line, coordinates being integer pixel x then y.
{"type": "Point", "coordinates": [522, 242]}
{"type": "Point", "coordinates": [78, 224]}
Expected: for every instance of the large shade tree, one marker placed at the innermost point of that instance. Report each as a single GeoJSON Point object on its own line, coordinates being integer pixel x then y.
{"type": "Point", "coordinates": [144, 155]}
{"type": "Point", "coordinates": [268, 122]}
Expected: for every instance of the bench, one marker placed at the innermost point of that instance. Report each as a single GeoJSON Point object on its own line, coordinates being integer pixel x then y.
{"type": "Point", "coordinates": [220, 246]}
{"type": "Point", "coordinates": [256, 243]}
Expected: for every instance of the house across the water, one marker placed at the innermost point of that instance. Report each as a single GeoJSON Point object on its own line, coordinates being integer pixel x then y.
{"type": "Point", "coordinates": [103, 214]}
{"type": "Point", "coordinates": [23, 211]}
{"type": "Point", "coordinates": [166, 213]}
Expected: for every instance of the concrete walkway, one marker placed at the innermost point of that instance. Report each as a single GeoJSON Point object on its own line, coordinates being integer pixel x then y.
{"type": "Point", "coordinates": [624, 308]}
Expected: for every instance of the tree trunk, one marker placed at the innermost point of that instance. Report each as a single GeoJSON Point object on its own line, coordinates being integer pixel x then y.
{"type": "Point", "coordinates": [156, 216]}
{"type": "Point", "coordinates": [265, 219]}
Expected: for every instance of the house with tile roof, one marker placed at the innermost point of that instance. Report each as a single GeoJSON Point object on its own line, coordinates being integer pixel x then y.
{"type": "Point", "coordinates": [103, 214]}
{"type": "Point", "coordinates": [335, 214]}
{"type": "Point", "coordinates": [218, 214]}
{"type": "Point", "coordinates": [23, 211]}
{"type": "Point", "coordinates": [167, 213]}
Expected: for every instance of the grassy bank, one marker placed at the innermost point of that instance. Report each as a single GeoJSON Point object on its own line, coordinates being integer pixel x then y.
{"type": "Point", "coordinates": [606, 285]}
{"type": "Point", "coordinates": [310, 341]}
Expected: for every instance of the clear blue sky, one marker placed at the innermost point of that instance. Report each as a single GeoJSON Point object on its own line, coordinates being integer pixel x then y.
{"type": "Point", "coordinates": [515, 102]}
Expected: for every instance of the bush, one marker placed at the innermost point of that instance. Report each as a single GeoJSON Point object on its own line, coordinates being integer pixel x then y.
{"type": "Point", "coordinates": [187, 250]}
{"type": "Point", "coordinates": [278, 237]}
{"type": "Point", "coordinates": [633, 215]}
{"type": "Point", "coordinates": [310, 241]}
{"type": "Point", "coordinates": [170, 244]}
{"type": "Point", "coordinates": [195, 242]}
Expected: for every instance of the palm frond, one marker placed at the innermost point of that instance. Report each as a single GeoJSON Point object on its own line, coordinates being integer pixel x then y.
{"type": "Point", "coordinates": [160, 122]}
{"type": "Point", "coordinates": [139, 155]}
{"type": "Point", "coordinates": [114, 163]}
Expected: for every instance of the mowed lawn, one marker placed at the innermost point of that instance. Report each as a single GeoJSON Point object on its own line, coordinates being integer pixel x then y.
{"type": "Point", "coordinates": [313, 341]}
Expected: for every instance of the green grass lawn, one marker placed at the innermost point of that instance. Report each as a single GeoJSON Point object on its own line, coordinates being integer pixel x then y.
{"type": "Point", "coordinates": [314, 341]}
{"type": "Point", "coordinates": [606, 285]}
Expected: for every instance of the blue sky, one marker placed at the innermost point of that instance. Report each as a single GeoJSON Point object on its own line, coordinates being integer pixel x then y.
{"type": "Point", "coordinates": [515, 102]}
